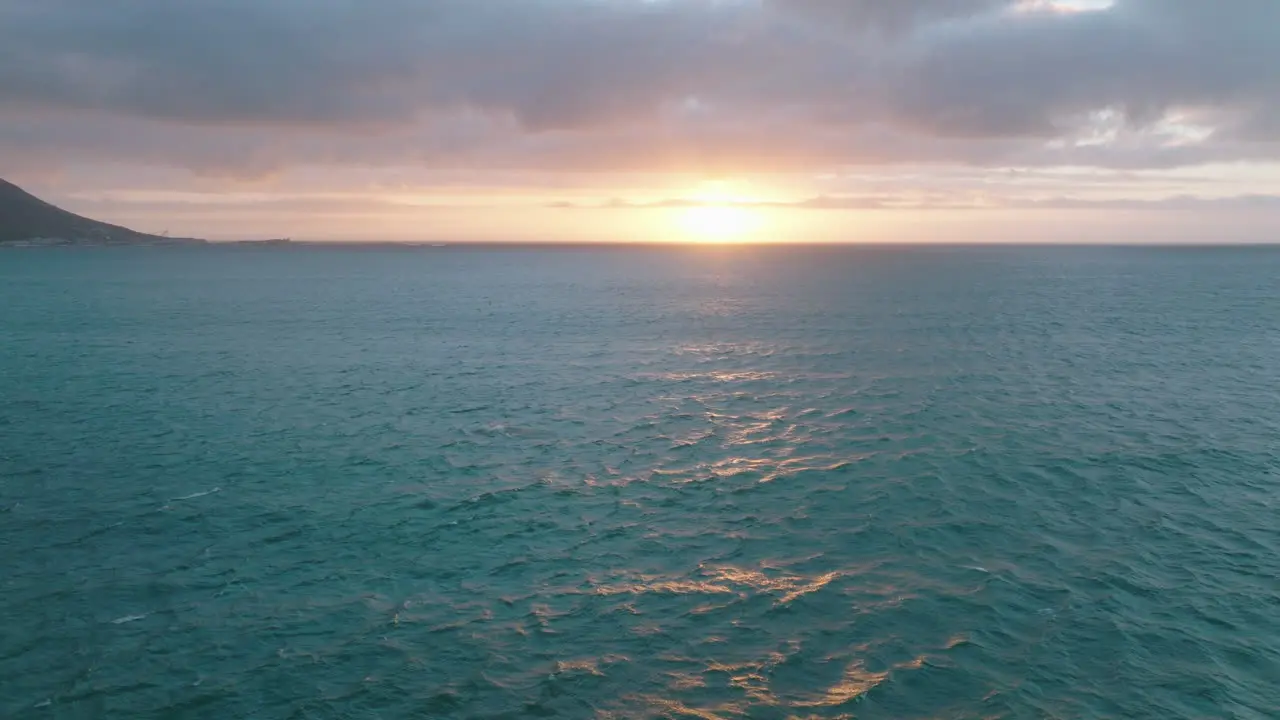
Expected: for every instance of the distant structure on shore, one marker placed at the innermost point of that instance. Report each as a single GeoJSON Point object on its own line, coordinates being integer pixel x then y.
{"type": "Point", "coordinates": [28, 221]}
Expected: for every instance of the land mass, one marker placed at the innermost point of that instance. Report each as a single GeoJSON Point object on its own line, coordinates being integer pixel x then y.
{"type": "Point", "coordinates": [26, 220]}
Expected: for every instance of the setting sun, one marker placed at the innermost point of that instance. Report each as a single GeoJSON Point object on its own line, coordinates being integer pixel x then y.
{"type": "Point", "coordinates": [721, 213]}
{"type": "Point", "coordinates": [718, 223]}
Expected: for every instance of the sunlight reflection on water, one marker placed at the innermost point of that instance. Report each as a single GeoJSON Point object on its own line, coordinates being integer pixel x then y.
{"type": "Point", "coordinates": [627, 484]}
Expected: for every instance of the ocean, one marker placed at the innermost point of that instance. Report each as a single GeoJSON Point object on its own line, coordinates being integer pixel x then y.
{"type": "Point", "coordinates": [706, 483]}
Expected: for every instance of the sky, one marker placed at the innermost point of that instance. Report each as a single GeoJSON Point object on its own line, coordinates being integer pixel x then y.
{"type": "Point", "coordinates": [651, 120]}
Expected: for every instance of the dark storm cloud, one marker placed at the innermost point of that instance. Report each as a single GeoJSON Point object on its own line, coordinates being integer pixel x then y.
{"type": "Point", "coordinates": [605, 84]}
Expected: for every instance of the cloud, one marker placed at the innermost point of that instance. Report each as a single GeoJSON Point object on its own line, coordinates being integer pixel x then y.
{"type": "Point", "coordinates": [1043, 73]}
{"type": "Point", "coordinates": [946, 201]}
{"type": "Point", "coordinates": [244, 87]}
{"type": "Point", "coordinates": [891, 17]}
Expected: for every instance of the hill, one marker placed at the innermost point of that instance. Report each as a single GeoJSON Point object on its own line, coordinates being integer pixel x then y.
{"type": "Point", "coordinates": [28, 220]}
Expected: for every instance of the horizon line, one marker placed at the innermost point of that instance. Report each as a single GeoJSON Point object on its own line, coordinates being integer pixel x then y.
{"type": "Point", "coordinates": [693, 244]}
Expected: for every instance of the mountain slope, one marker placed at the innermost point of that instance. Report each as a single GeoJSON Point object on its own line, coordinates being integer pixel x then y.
{"type": "Point", "coordinates": [25, 218]}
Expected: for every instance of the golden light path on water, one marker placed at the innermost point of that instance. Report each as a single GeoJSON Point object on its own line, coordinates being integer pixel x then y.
{"type": "Point", "coordinates": [761, 446]}
{"type": "Point", "coordinates": [728, 422]}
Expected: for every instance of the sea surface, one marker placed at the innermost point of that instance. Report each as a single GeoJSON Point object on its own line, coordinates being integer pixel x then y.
{"type": "Point", "coordinates": [703, 483]}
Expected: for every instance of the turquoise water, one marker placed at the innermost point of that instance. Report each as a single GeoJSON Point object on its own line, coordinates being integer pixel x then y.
{"type": "Point", "coordinates": [594, 483]}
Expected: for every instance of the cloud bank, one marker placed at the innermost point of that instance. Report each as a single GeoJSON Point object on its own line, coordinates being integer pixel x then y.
{"type": "Point", "coordinates": [245, 87]}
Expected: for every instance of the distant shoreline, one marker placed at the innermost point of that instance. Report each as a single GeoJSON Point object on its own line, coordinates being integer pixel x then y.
{"type": "Point", "coordinates": [41, 242]}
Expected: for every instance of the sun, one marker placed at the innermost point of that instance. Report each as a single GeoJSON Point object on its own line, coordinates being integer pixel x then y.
{"type": "Point", "coordinates": [718, 223]}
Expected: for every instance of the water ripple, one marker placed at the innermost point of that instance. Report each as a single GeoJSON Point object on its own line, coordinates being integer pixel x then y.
{"type": "Point", "coordinates": [992, 484]}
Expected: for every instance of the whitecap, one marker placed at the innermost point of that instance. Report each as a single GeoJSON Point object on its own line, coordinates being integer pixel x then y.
{"type": "Point", "coordinates": [128, 619]}
{"type": "Point", "coordinates": [193, 496]}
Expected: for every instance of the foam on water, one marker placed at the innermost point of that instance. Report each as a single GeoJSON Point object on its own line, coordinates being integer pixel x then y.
{"type": "Point", "coordinates": [128, 619]}
{"type": "Point", "coordinates": [193, 496]}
